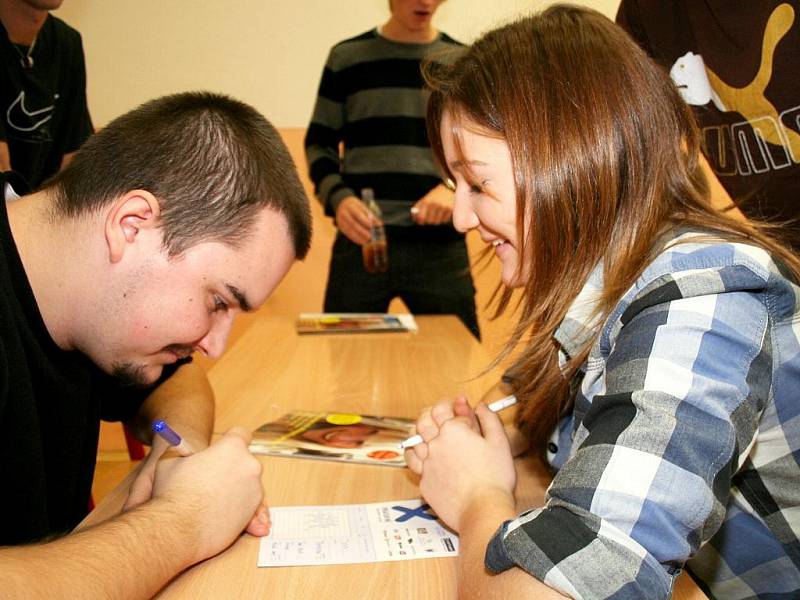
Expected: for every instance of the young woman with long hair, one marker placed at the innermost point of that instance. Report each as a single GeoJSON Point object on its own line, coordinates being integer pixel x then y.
{"type": "Point", "coordinates": [659, 358]}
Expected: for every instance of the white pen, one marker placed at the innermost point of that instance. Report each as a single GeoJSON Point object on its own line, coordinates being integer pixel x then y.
{"type": "Point", "coordinates": [495, 406]}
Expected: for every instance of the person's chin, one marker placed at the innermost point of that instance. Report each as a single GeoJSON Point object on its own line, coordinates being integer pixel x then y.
{"type": "Point", "coordinates": [132, 375]}
{"type": "Point", "coordinates": [511, 277]}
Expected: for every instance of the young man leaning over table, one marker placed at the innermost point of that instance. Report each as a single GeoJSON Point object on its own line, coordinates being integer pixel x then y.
{"type": "Point", "coordinates": [168, 223]}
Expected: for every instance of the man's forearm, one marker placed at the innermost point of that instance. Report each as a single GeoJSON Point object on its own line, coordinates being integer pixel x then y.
{"type": "Point", "coordinates": [186, 402]}
{"type": "Point", "coordinates": [131, 556]}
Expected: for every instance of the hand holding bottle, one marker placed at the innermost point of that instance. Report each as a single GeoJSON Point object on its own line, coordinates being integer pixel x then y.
{"type": "Point", "coordinates": [354, 220]}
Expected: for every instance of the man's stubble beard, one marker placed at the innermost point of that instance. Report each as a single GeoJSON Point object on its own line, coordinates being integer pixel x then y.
{"type": "Point", "coordinates": [130, 375]}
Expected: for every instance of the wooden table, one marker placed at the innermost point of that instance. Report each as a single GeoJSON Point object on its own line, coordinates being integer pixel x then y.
{"type": "Point", "coordinates": [269, 371]}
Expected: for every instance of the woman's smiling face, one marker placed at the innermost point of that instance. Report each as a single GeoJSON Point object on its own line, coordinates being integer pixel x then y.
{"type": "Point", "coordinates": [485, 195]}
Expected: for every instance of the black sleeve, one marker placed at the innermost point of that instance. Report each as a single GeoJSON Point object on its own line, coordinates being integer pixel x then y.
{"type": "Point", "coordinates": [79, 122]}
{"type": "Point", "coordinates": [324, 134]}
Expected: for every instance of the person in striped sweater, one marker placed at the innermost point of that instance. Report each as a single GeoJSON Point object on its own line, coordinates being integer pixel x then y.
{"type": "Point", "coordinates": [368, 132]}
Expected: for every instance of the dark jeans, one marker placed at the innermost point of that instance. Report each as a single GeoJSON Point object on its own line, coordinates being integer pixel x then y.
{"type": "Point", "coordinates": [430, 276]}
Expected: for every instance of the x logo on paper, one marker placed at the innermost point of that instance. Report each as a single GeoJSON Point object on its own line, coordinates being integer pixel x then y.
{"type": "Point", "coordinates": [410, 513]}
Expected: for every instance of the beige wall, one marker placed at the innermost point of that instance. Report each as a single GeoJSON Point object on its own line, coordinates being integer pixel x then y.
{"type": "Point", "coordinates": [266, 52]}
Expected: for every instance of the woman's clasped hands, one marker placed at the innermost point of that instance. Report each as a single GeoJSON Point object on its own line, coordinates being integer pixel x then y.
{"type": "Point", "coordinates": [464, 461]}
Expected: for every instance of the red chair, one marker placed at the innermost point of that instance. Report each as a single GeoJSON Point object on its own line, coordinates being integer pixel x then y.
{"type": "Point", "coordinates": [135, 447]}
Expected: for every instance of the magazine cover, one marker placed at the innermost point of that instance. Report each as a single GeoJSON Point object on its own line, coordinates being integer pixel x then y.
{"type": "Point", "coordinates": [335, 436]}
{"type": "Point", "coordinates": [354, 322]}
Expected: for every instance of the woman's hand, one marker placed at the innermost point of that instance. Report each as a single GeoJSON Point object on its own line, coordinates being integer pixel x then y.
{"type": "Point", "coordinates": [429, 423]}
{"type": "Point", "coordinates": [465, 456]}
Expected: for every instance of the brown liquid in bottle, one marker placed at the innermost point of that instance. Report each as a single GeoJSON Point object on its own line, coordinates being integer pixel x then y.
{"type": "Point", "coordinates": [376, 257]}
{"type": "Point", "coordinates": [375, 252]}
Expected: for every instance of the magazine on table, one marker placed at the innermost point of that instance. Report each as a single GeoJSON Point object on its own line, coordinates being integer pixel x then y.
{"type": "Point", "coordinates": [344, 437]}
{"type": "Point", "coordinates": [354, 322]}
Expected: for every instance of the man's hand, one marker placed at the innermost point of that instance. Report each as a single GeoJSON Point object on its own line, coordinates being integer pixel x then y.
{"type": "Point", "coordinates": [434, 208]}
{"type": "Point", "coordinates": [220, 488]}
{"type": "Point", "coordinates": [141, 489]}
{"type": "Point", "coordinates": [354, 220]}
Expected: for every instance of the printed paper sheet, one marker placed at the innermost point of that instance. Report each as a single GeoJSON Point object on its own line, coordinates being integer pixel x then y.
{"type": "Point", "coordinates": [354, 533]}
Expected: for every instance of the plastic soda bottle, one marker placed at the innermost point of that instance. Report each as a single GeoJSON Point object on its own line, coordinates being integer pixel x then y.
{"type": "Point", "coordinates": [375, 252]}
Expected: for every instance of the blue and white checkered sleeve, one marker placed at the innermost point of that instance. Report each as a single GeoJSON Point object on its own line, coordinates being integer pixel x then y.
{"type": "Point", "coordinates": [671, 396]}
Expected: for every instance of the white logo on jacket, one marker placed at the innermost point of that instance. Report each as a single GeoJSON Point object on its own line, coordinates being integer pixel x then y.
{"type": "Point", "coordinates": [19, 117]}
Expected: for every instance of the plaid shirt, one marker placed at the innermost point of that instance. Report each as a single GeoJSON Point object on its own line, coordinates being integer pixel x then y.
{"type": "Point", "coordinates": [684, 441]}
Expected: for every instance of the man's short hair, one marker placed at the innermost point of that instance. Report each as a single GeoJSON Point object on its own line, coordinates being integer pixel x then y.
{"type": "Point", "coordinates": [212, 162]}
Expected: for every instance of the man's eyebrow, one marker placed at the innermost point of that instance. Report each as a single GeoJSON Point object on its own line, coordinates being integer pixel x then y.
{"type": "Point", "coordinates": [240, 297]}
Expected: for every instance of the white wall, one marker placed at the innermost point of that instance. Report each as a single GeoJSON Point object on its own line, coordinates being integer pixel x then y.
{"type": "Point", "coordinates": [268, 53]}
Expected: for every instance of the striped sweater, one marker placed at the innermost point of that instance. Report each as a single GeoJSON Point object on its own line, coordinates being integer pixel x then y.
{"type": "Point", "coordinates": [371, 100]}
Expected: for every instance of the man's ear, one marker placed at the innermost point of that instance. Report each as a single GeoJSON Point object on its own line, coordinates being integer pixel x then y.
{"type": "Point", "coordinates": [126, 218]}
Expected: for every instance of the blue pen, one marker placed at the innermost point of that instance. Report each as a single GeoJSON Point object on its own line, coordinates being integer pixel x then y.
{"type": "Point", "coordinates": [161, 428]}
